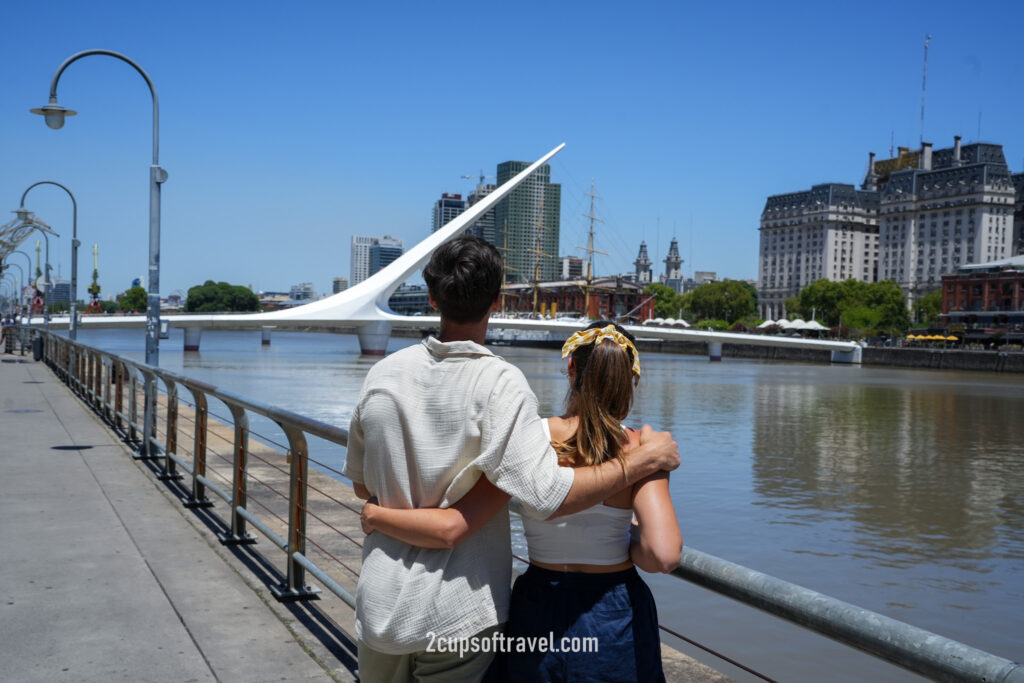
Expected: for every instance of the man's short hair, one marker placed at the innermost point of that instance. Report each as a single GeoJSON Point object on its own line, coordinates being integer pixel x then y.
{"type": "Point", "coordinates": [464, 277]}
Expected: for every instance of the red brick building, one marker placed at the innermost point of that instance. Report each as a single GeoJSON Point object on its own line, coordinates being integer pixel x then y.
{"type": "Point", "coordinates": [610, 297]}
{"type": "Point", "coordinates": [986, 295]}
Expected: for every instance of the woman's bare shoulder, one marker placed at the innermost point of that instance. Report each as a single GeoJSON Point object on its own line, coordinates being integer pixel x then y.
{"type": "Point", "coordinates": [561, 428]}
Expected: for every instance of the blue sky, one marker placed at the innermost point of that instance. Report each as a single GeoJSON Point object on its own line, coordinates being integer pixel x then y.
{"type": "Point", "coordinates": [288, 127]}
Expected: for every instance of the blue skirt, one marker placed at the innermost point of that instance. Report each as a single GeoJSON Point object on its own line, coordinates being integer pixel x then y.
{"type": "Point", "coordinates": [594, 627]}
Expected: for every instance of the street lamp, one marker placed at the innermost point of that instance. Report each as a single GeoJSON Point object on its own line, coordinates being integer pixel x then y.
{"type": "Point", "coordinates": [55, 114]}
{"type": "Point", "coordinates": [73, 329]}
{"type": "Point", "coordinates": [21, 278]}
{"type": "Point", "coordinates": [34, 226]}
{"type": "Point", "coordinates": [29, 271]}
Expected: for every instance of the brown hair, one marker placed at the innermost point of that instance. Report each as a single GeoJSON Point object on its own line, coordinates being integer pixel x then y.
{"type": "Point", "coordinates": [600, 396]}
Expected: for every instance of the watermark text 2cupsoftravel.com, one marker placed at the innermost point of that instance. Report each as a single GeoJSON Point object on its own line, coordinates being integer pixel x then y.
{"type": "Point", "coordinates": [498, 642]}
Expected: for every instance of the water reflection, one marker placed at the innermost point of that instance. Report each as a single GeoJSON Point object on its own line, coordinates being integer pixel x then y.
{"type": "Point", "coordinates": [926, 471]}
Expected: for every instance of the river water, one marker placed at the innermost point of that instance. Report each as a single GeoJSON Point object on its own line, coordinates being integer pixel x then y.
{"type": "Point", "coordinates": [901, 491]}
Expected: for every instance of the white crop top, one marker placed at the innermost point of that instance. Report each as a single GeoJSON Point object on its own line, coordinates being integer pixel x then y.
{"type": "Point", "coordinates": [597, 535]}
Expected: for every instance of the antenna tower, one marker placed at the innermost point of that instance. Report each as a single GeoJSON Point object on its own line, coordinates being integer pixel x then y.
{"type": "Point", "coordinates": [590, 249]}
{"type": "Point", "coordinates": [924, 83]}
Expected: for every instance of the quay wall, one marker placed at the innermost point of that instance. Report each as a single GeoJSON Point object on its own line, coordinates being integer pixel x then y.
{"type": "Point", "coordinates": [926, 358]}
{"type": "Point", "coordinates": [929, 359]}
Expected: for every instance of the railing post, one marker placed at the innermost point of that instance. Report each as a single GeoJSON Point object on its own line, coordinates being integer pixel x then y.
{"type": "Point", "coordinates": [133, 398]}
{"type": "Point", "coordinates": [118, 392]}
{"type": "Point", "coordinates": [294, 587]}
{"type": "Point", "coordinates": [97, 380]}
{"type": "Point", "coordinates": [148, 415]}
{"type": "Point", "coordinates": [198, 498]}
{"type": "Point", "coordinates": [237, 534]}
{"type": "Point", "coordinates": [171, 439]}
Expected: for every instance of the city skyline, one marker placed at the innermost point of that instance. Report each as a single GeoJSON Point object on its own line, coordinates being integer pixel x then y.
{"type": "Point", "coordinates": [286, 131]}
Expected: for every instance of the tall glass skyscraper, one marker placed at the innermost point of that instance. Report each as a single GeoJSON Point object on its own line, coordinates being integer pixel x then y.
{"type": "Point", "coordinates": [529, 216]}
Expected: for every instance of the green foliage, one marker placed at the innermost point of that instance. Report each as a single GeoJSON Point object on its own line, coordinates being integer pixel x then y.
{"type": "Point", "coordinates": [863, 305]}
{"type": "Point", "coordinates": [135, 299]}
{"type": "Point", "coordinates": [928, 307]}
{"type": "Point", "coordinates": [716, 325]}
{"type": "Point", "coordinates": [727, 300]}
{"type": "Point", "coordinates": [215, 297]}
{"type": "Point", "coordinates": [666, 302]}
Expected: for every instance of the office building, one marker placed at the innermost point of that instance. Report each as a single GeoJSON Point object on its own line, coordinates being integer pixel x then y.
{"type": "Point", "coordinates": [359, 266]}
{"type": "Point", "coordinates": [59, 293]}
{"type": "Point", "coordinates": [384, 251]}
{"type": "Point", "coordinates": [339, 284]}
{"type": "Point", "coordinates": [1018, 214]}
{"type": "Point", "coordinates": [483, 227]}
{"type": "Point", "coordinates": [940, 210]}
{"type": "Point", "coordinates": [570, 267]}
{"type": "Point", "coordinates": [447, 208]}
{"type": "Point", "coordinates": [302, 292]}
{"type": "Point", "coordinates": [918, 216]}
{"type": "Point", "coordinates": [527, 224]}
{"type": "Point", "coordinates": [371, 254]}
{"type": "Point", "coordinates": [829, 231]}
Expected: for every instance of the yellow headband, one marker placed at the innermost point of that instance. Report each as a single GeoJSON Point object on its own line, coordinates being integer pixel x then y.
{"type": "Point", "coordinates": [595, 335]}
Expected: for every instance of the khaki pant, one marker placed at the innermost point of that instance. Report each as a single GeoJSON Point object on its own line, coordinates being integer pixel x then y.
{"type": "Point", "coordinates": [423, 666]}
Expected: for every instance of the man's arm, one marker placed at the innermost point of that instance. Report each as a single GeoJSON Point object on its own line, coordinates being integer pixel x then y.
{"type": "Point", "coordinates": [591, 485]}
{"type": "Point", "coordinates": [361, 491]}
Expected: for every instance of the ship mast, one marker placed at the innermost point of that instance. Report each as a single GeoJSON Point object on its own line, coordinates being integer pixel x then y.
{"type": "Point", "coordinates": [538, 253]}
{"type": "Point", "coordinates": [590, 249]}
{"type": "Point", "coordinates": [504, 271]}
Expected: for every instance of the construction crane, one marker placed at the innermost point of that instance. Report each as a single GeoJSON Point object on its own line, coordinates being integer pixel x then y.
{"type": "Point", "coordinates": [94, 289]}
{"type": "Point", "coordinates": [482, 177]}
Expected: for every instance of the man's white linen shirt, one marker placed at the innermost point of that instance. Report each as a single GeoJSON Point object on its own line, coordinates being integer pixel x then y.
{"type": "Point", "coordinates": [430, 419]}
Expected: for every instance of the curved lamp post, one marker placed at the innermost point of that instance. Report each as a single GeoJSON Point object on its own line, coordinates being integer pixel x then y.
{"type": "Point", "coordinates": [73, 329]}
{"type": "Point", "coordinates": [23, 215]}
{"type": "Point", "coordinates": [28, 272]}
{"type": "Point", "coordinates": [21, 278]}
{"type": "Point", "coordinates": [55, 114]}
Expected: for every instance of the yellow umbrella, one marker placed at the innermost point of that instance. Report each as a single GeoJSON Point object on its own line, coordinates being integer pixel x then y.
{"type": "Point", "coordinates": [952, 338]}
{"type": "Point", "coordinates": [912, 336]}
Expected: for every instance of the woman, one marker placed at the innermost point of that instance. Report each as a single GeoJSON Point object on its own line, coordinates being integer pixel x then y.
{"type": "Point", "coordinates": [581, 582]}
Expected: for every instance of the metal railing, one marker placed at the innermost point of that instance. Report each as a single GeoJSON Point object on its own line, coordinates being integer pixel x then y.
{"type": "Point", "coordinates": [115, 388]}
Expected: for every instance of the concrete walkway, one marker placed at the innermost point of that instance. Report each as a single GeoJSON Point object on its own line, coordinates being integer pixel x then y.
{"type": "Point", "coordinates": [102, 577]}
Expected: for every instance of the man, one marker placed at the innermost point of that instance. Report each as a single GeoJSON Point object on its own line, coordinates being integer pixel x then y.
{"type": "Point", "coordinates": [430, 420]}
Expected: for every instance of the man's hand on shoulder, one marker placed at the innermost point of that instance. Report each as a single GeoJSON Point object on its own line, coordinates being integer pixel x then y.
{"type": "Point", "coordinates": [661, 446]}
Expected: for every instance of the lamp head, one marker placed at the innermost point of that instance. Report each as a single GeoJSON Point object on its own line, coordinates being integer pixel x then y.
{"type": "Point", "coordinates": [54, 113]}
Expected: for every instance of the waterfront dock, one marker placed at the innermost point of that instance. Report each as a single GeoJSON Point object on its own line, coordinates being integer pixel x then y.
{"type": "Point", "coordinates": [106, 576]}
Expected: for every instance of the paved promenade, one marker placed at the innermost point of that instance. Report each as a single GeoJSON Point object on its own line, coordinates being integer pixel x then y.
{"type": "Point", "coordinates": [102, 577]}
{"type": "Point", "coordinates": [106, 577]}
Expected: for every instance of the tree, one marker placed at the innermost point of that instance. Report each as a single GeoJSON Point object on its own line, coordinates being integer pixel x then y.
{"type": "Point", "coordinates": [864, 305]}
{"type": "Point", "coordinates": [728, 300]}
{"type": "Point", "coordinates": [216, 297]}
{"type": "Point", "coordinates": [135, 299]}
{"type": "Point", "coordinates": [928, 307]}
{"type": "Point", "coordinates": [666, 301]}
